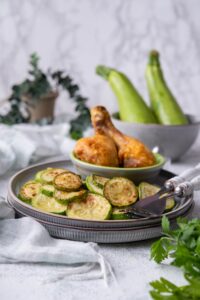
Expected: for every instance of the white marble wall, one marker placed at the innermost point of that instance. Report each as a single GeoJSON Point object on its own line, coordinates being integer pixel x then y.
{"type": "Point", "coordinates": [79, 34]}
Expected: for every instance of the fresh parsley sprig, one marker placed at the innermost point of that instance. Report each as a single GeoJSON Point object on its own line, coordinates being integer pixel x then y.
{"type": "Point", "coordinates": [183, 247]}
{"type": "Point", "coordinates": [164, 289]}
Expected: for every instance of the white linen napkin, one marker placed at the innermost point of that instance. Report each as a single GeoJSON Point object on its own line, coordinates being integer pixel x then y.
{"type": "Point", "coordinates": [22, 144]}
{"type": "Point", "coordinates": [25, 240]}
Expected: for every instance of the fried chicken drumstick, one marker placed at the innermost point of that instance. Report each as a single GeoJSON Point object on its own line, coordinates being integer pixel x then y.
{"type": "Point", "coordinates": [98, 150]}
{"type": "Point", "coordinates": [131, 152]}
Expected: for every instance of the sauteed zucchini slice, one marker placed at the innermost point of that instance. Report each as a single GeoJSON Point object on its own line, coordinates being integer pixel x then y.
{"type": "Point", "coordinates": [29, 190]}
{"type": "Point", "coordinates": [38, 176]}
{"type": "Point", "coordinates": [120, 191]}
{"type": "Point", "coordinates": [48, 190]}
{"type": "Point", "coordinates": [119, 214]}
{"type": "Point", "coordinates": [68, 182]}
{"type": "Point", "coordinates": [65, 197]}
{"type": "Point", "coordinates": [48, 175]}
{"type": "Point", "coordinates": [170, 203]}
{"type": "Point", "coordinates": [146, 189]}
{"type": "Point", "coordinates": [92, 187]}
{"type": "Point", "coordinates": [99, 180]}
{"type": "Point", "coordinates": [48, 204]}
{"type": "Point", "coordinates": [94, 207]}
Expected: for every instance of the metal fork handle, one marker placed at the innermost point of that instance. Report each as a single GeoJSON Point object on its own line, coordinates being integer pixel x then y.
{"type": "Point", "coordinates": [186, 176]}
{"type": "Point", "coordinates": [187, 188]}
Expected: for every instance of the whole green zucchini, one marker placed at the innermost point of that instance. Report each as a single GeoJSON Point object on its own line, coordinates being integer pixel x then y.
{"type": "Point", "coordinates": [163, 103]}
{"type": "Point", "coordinates": [132, 107]}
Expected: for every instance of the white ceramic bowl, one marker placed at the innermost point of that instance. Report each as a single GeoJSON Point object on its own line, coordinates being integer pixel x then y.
{"type": "Point", "coordinates": [173, 140]}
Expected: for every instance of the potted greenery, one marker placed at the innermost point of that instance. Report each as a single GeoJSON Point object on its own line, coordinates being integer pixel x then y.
{"type": "Point", "coordinates": [37, 94]}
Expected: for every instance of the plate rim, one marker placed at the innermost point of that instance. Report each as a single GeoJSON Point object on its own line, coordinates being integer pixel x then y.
{"type": "Point", "coordinates": [113, 229]}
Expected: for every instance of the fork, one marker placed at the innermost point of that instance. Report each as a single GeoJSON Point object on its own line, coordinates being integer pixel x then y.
{"type": "Point", "coordinates": [154, 206]}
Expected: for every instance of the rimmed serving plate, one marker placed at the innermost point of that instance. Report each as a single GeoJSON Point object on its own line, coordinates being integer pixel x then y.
{"type": "Point", "coordinates": [108, 231]}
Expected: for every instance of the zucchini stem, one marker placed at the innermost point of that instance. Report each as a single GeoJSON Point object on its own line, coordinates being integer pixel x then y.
{"type": "Point", "coordinates": [154, 58]}
{"type": "Point", "coordinates": [103, 71]}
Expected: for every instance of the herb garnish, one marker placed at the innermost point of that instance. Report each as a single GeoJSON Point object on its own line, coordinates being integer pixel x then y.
{"type": "Point", "coordinates": [183, 247]}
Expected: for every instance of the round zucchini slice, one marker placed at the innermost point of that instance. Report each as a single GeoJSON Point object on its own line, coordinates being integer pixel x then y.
{"type": "Point", "coordinates": [146, 189]}
{"type": "Point", "coordinates": [99, 180]}
{"type": "Point", "coordinates": [93, 187]}
{"type": "Point", "coordinates": [48, 190]}
{"type": "Point", "coordinates": [38, 176]}
{"type": "Point", "coordinates": [94, 207]}
{"type": "Point", "coordinates": [120, 191]}
{"type": "Point", "coordinates": [119, 214]}
{"type": "Point", "coordinates": [29, 190]}
{"type": "Point", "coordinates": [170, 203]}
{"type": "Point", "coordinates": [48, 204]}
{"type": "Point", "coordinates": [48, 175]}
{"type": "Point", "coordinates": [65, 197]}
{"type": "Point", "coordinates": [68, 182]}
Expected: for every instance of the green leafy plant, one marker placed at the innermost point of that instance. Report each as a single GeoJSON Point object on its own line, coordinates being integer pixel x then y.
{"type": "Point", "coordinates": [183, 247]}
{"type": "Point", "coordinates": [82, 121]}
{"type": "Point", "coordinates": [164, 289]}
{"type": "Point", "coordinates": [34, 87]}
{"type": "Point", "coordinates": [15, 114]}
{"type": "Point", "coordinates": [40, 84]}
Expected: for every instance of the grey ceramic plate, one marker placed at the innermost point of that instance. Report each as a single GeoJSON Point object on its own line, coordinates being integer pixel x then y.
{"type": "Point", "coordinates": [108, 231]}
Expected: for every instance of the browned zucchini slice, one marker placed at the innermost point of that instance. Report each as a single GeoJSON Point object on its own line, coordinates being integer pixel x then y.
{"type": "Point", "coordinates": [119, 214]}
{"type": "Point", "coordinates": [29, 190]}
{"type": "Point", "coordinates": [94, 207]}
{"type": "Point", "coordinates": [146, 189]}
{"type": "Point", "coordinates": [38, 176]}
{"type": "Point", "coordinates": [48, 204]}
{"type": "Point", "coordinates": [120, 191]}
{"type": "Point", "coordinates": [65, 197]}
{"type": "Point", "coordinates": [68, 182]}
{"type": "Point", "coordinates": [92, 187]}
{"type": "Point", "coordinates": [170, 203]}
{"type": "Point", "coordinates": [99, 180]}
{"type": "Point", "coordinates": [48, 190]}
{"type": "Point", "coordinates": [48, 175]}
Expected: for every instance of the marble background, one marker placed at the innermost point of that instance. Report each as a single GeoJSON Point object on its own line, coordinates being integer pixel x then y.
{"type": "Point", "coordinates": [77, 35]}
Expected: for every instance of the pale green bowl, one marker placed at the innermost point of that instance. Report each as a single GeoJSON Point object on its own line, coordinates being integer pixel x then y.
{"type": "Point", "coordinates": [135, 174]}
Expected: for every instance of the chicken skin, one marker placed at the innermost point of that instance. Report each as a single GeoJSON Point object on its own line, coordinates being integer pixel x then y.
{"type": "Point", "coordinates": [131, 152]}
{"type": "Point", "coordinates": [98, 150]}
